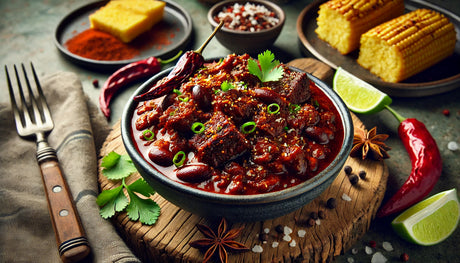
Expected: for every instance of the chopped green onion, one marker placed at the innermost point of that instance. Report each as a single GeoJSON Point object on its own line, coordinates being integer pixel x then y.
{"type": "Point", "coordinates": [294, 108]}
{"type": "Point", "coordinates": [225, 86]}
{"type": "Point", "coordinates": [148, 135]}
{"type": "Point", "coordinates": [177, 91]}
{"type": "Point", "coordinates": [248, 127]}
{"type": "Point", "coordinates": [198, 127]}
{"type": "Point", "coordinates": [184, 99]}
{"type": "Point", "coordinates": [273, 108]}
{"type": "Point", "coordinates": [179, 158]}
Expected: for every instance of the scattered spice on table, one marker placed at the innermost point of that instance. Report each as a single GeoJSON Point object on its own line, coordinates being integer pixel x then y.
{"type": "Point", "coordinates": [220, 242]}
{"type": "Point", "coordinates": [369, 145]}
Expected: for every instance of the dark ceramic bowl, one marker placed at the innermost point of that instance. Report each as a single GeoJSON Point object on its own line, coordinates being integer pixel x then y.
{"type": "Point", "coordinates": [241, 42]}
{"type": "Point", "coordinates": [238, 207]}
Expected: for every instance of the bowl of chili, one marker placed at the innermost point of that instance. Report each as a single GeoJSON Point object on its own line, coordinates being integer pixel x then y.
{"type": "Point", "coordinates": [249, 26]}
{"type": "Point", "coordinates": [185, 145]}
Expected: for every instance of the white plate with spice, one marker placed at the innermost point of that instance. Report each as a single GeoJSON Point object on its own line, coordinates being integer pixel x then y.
{"type": "Point", "coordinates": [164, 40]}
{"type": "Point", "coordinates": [440, 78]}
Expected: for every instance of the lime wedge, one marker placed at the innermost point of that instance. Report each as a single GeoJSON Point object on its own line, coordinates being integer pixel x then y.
{"type": "Point", "coordinates": [430, 221]}
{"type": "Point", "coordinates": [358, 95]}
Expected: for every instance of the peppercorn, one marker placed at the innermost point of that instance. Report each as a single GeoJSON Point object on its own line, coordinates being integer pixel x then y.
{"type": "Point", "coordinates": [404, 257]}
{"type": "Point", "coordinates": [331, 203]}
{"type": "Point", "coordinates": [353, 179]}
{"type": "Point", "coordinates": [362, 174]}
{"type": "Point", "coordinates": [372, 244]}
{"type": "Point", "coordinates": [322, 214]}
{"type": "Point", "coordinates": [279, 229]}
{"type": "Point", "coordinates": [311, 222]}
{"type": "Point", "coordinates": [347, 169]}
{"type": "Point", "coordinates": [96, 83]}
{"type": "Point", "coordinates": [314, 215]}
{"type": "Point", "coordinates": [446, 112]}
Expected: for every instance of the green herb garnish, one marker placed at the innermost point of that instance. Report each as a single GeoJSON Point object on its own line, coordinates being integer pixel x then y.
{"type": "Point", "coordinates": [225, 86]}
{"type": "Point", "coordinates": [119, 167]}
{"type": "Point", "coordinates": [268, 70]}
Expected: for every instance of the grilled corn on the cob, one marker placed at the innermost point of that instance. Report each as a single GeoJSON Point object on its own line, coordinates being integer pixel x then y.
{"type": "Point", "coordinates": [342, 22]}
{"type": "Point", "coordinates": [407, 45]}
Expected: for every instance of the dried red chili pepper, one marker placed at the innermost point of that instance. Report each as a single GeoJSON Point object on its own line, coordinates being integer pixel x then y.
{"type": "Point", "coordinates": [127, 74]}
{"type": "Point", "coordinates": [426, 165]}
{"type": "Point", "coordinates": [185, 67]}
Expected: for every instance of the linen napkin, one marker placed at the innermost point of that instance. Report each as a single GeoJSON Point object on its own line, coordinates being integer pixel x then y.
{"type": "Point", "coordinates": [26, 232]}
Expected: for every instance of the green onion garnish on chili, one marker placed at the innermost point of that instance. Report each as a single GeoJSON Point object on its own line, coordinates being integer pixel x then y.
{"type": "Point", "coordinates": [184, 99]}
{"type": "Point", "coordinates": [198, 127]}
{"type": "Point", "coordinates": [248, 127]}
{"type": "Point", "coordinates": [177, 91]}
{"type": "Point", "coordinates": [148, 135]}
{"type": "Point", "coordinates": [225, 86]}
{"type": "Point", "coordinates": [273, 108]}
{"type": "Point", "coordinates": [179, 158]}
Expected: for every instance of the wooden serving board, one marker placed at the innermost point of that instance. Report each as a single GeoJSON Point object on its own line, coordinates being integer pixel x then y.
{"type": "Point", "coordinates": [167, 240]}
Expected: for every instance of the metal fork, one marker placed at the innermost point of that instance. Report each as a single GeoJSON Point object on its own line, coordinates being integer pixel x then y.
{"type": "Point", "coordinates": [33, 119]}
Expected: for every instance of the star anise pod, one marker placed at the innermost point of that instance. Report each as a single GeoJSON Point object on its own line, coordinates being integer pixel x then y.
{"type": "Point", "coordinates": [218, 242]}
{"type": "Point", "coordinates": [369, 145]}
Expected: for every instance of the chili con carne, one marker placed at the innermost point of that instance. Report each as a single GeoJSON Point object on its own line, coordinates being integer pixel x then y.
{"type": "Point", "coordinates": [127, 74]}
{"type": "Point", "coordinates": [185, 67]}
{"type": "Point", "coordinates": [426, 165]}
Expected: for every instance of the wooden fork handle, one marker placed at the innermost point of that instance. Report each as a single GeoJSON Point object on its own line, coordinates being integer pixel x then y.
{"type": "Point", "coordinates": [70, 235]}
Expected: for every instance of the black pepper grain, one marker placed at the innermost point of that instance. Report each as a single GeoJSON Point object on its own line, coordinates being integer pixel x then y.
{"type": "Point", "coordinates": [362, 174]}
{"type": "Point", "coordinates": [347, 169]}
{"type": "Point", "coordinates": [96, 83]}
{"type": "Point", "coordinates": [404, 257]}
{"type": "Point", "coordinates": [311, 222]}
{"type": "Point", "coordinates": [331, 203]}
{"type": "Point", "coordinates": [279, 229]}
{"type": "Point", "coordinates": [353, 179]}
{"type": "Point", "coordinates": [314, 215]}
{"type": "Point", "coordinates": [263, 237]}
{"type": "Point", "coordinates": [322, 214]}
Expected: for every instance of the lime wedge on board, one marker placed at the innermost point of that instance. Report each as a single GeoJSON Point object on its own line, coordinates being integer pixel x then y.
{"type": "Point", "coordinates": [430, 221]}
{"type": "Point", "coordinates": [358, 95]}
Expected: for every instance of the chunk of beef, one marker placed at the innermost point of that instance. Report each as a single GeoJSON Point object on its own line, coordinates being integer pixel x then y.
{"type": "Point", "coordinates": [295, 86]}
{"type": "Point", "coordinates": [220, 142]}
{"type": "Point", "coordinates": [306, 116]}
{"type": "Point", "coordinates": [236, 104]}
{"type": "Point", "coordinates": [182, 117]}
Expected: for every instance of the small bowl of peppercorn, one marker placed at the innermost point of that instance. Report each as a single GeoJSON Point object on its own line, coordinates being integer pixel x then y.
{"type": "Point", "coordinates": [249, 26]}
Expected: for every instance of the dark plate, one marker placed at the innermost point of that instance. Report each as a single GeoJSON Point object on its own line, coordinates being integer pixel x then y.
{"type": "Point", "coordinates": [176, 23]}
{"type": "Point", "coordinates": [440, 78]}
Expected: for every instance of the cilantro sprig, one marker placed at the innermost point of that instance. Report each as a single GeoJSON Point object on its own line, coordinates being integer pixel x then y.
{"type": "Point", "coordinates": [268, 70]}
{"type": "Point", "coordinates": [119, 167]}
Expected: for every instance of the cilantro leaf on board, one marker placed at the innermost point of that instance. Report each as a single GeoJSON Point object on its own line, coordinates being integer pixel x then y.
{"type": "Point", "coordinates": [268, 70]}
{"type": "Point", "coordinates": [114, 200]}
{"type": "Point", "coordinates": [143, 209]}
{"type": "Point", "coordinates": [121, 169]}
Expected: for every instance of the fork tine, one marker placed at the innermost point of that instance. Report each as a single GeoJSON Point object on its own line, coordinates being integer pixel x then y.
{"type": "Point", "coordinates": [14, 104]}
{"type": "Point", "coordinates": [41, 97]}
{"type": "Point", "coordinates": [32, 99]}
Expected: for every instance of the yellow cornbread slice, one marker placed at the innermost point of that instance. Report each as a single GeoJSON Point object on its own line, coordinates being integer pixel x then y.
{"type": "Point", "coordinates": [127, 19]}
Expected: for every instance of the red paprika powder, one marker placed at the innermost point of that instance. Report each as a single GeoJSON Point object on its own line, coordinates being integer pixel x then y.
{"type": "Point", "coordinates": [98, 45]}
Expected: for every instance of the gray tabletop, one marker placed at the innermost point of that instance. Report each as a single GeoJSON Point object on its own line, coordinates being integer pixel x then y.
{"type": "Point", "coordinates": [27, 31]}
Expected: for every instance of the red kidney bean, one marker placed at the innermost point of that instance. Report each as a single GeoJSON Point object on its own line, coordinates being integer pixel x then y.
{"type": "Point", "coordinates": [317, 134]}
{"type": "Point", "coordinates": [202, 97]}
{"type": "Point", "coordinates": [194, 173]}
{"type": "Point", "coordinates": [268, 96]}
{"type": "Point", "coordinates": [161, 156]}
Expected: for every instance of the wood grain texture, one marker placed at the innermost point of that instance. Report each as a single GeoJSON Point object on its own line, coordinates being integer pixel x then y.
{"type": "Point", "coordinates": [167, 240]}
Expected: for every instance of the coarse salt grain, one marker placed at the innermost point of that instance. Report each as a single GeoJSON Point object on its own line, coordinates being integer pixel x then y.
{"type": "Point", "coordinates": [318, 222]}
{"type": "Point", "coordinates": [453, 146]}
{"type": "Point", "coordinates": [387, 246]}
{"type": "Point", "coordinates": [287, 238]}
{"type": "Point", "coordinates": [266, 230]}
{"type": "Point", "coordinates": [350, 260]}
{"type": "Point", "coordinates": [287, 230]}
{"type": "Point", "coordinates": [378, 257]}
{"type": "Point", "coordinates": [345, 197]}
{"type": "Point", "coordinates": [257, 249]}
{"type": "Point", "coordinates": [293, 243]}
{"type": "Point", "coordinates": [368, 250]}
{"type": "Point", "coordinates": [275, 244]}
{"type": "Point", "coordinates": [301, 233]}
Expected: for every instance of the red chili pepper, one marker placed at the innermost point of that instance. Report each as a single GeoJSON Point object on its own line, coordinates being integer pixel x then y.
{"type": "Point", "coordinates": [185, 67]}
{"type": "Point", "coordinates": [426, 166]}
{"type": "Point", "coordinates": [127, 74]}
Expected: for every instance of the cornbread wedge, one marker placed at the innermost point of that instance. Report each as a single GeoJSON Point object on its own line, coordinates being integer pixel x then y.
{"type": "Point", "coordinates": [407, 45]}
{"type": "Point", "coordinates": [127, 19]}
{"type": "Point", "coordinates": [342, 22]}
